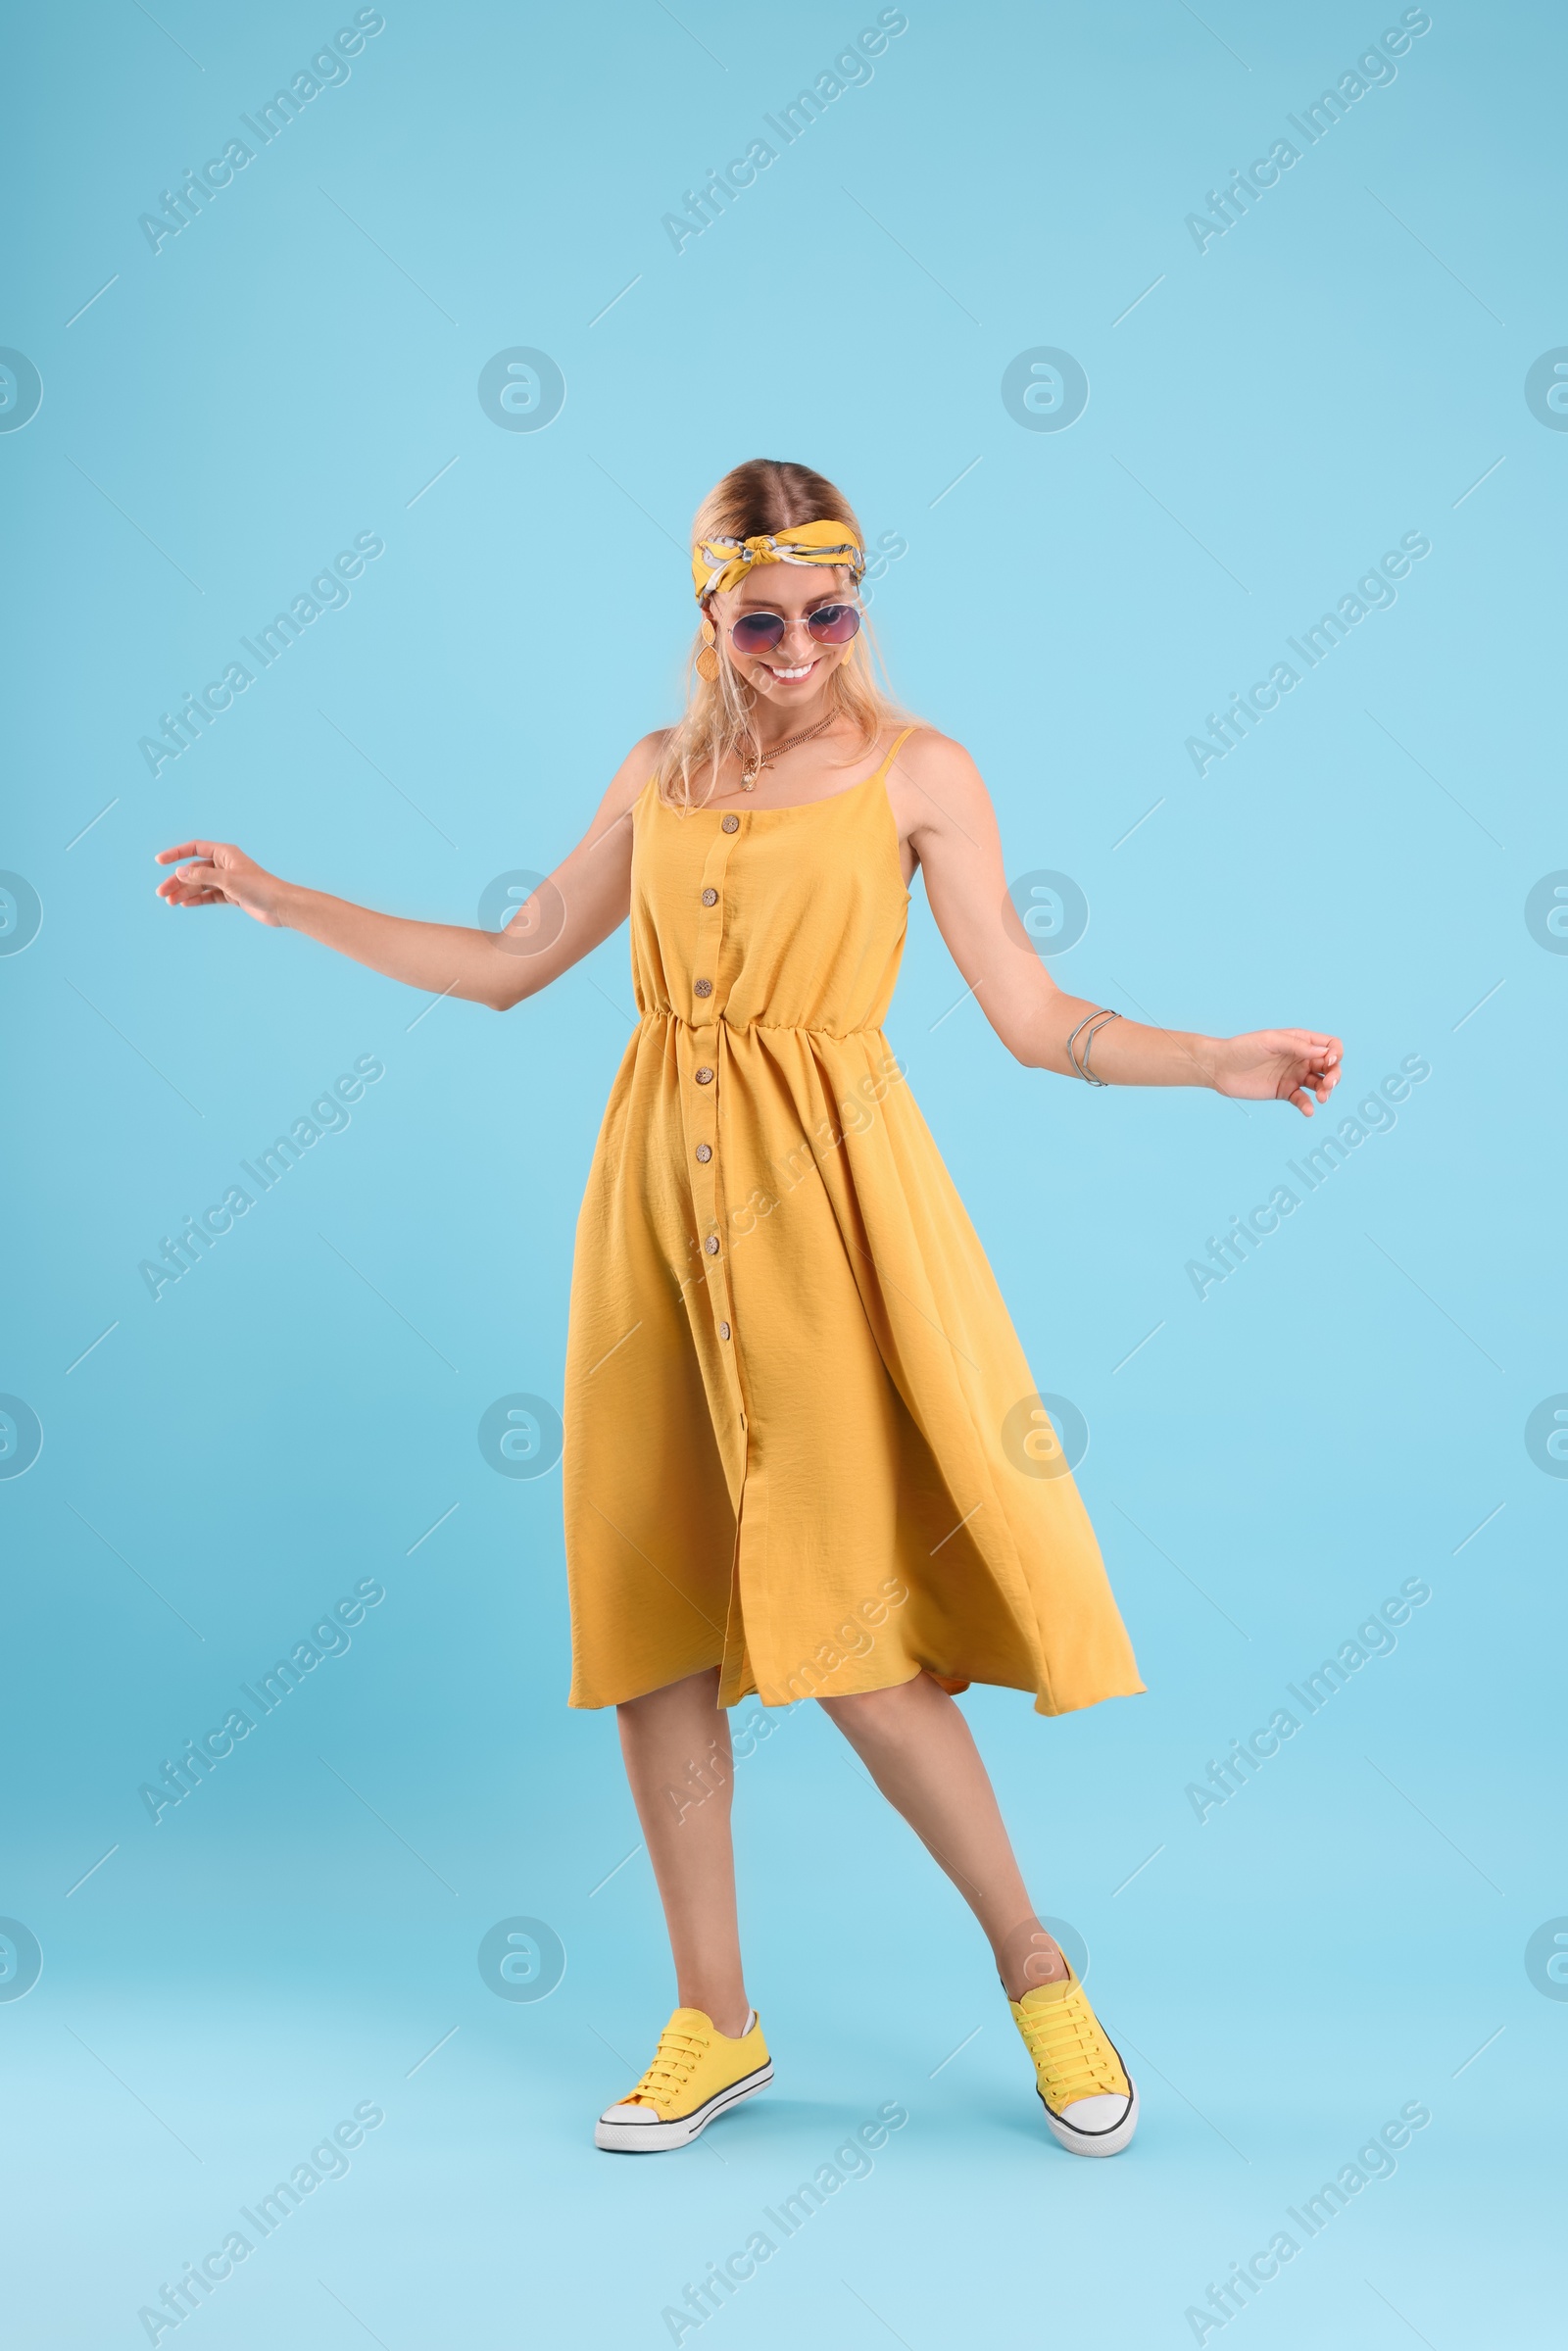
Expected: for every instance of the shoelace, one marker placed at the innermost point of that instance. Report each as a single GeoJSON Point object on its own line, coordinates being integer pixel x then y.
{"type": "Point", "coordinates": [673, 2062]}
{"type": "Point", "coordinates": [1071, 2053]}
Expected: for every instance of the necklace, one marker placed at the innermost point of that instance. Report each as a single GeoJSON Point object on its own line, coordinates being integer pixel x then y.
{"type": "Point", "coordinates": [754, 766]}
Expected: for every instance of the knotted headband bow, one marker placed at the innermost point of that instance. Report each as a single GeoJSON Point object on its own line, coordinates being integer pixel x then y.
{"type": "Point", "coordinates": [718, 563]}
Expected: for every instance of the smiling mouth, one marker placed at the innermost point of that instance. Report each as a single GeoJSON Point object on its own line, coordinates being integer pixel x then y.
{"type": "Point", "coordinates": [789, 678]}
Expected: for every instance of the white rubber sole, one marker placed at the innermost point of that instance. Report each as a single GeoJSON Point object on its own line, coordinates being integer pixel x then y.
{"type": "Point", "coordinates": [1094, 2143]}
{"type": "Point", "coordinates": [657, 2138]}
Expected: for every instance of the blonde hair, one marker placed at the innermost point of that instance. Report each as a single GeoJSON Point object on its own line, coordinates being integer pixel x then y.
{"type": "Point", "coordinates": [765, 494]}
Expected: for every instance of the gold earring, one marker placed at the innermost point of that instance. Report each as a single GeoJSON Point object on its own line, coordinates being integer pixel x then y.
{"type": "Point", "coordinates": [708, 659]}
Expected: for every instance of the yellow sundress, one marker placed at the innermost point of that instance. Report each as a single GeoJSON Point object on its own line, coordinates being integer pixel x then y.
{"type": "Point", "coordinates": [802, 1440]}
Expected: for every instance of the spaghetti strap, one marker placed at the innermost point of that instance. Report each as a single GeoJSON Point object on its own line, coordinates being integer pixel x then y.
{"type": "Point", "coordinates": [898, 744]}
{"type": "Point", "coordinates": [878, 775]}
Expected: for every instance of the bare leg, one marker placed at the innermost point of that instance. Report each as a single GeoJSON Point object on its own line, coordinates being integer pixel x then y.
{"type": "Point", "coordinates": [917, 1748]}
{"type": "Point", "coordinates": [676, 1746]}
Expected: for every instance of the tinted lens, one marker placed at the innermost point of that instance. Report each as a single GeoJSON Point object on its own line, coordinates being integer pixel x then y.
{"type": "Point", "coordinates": [834, 623]}
{"type": "Point", "coordinates": [756, 632]}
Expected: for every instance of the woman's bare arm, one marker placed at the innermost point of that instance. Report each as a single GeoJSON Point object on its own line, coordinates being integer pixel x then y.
{"type": "Point", "coordinates": [581, 902]}
{"type": "Point", "coordinates": [952, 827]}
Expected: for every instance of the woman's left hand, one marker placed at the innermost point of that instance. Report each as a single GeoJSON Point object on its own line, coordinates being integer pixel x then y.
{"type": "Point", "coordinates": [1284, 1066]}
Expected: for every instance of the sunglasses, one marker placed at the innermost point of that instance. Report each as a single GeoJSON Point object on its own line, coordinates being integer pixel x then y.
{"type": "Point", "coordinates": [829, 625]}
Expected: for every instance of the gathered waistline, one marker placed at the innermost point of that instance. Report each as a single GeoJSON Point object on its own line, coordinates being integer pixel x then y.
{"type": "Point", "coordinates": [743, 1028]}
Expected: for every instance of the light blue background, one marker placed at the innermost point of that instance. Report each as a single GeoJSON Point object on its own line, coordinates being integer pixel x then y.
{"type": "Point", "coordinates": [1339, 1416]}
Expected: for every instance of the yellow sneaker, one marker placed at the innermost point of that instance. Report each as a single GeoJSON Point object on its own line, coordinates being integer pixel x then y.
{"type": "Point", "coordinates": [1089, 2101]}
{"type": "Point", "coordinates": [697, 2073]}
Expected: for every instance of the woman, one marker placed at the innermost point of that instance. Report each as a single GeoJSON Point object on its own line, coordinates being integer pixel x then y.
{"type": "Point", "coordinates": [805, 1456]}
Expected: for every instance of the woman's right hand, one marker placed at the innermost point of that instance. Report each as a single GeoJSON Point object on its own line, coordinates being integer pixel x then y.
{"type": "Point", "coordinates": [220, 875]}
{"type": "Point", "coordinates": [567, 916]}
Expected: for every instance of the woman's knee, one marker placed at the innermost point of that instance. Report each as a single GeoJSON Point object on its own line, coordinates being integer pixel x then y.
{"type": "Point", "coordinates": [876, 1711]}
{"type": "Point", "coordinates": [699, 1690]}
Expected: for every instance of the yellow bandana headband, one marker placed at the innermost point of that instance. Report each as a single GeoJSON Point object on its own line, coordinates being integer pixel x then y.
{"type": "Point", "coordinates": [718, 563]}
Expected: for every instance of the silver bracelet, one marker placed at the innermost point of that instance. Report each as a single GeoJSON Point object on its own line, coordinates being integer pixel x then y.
{"type": "Point", "coordinates": [1094, 1022]}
